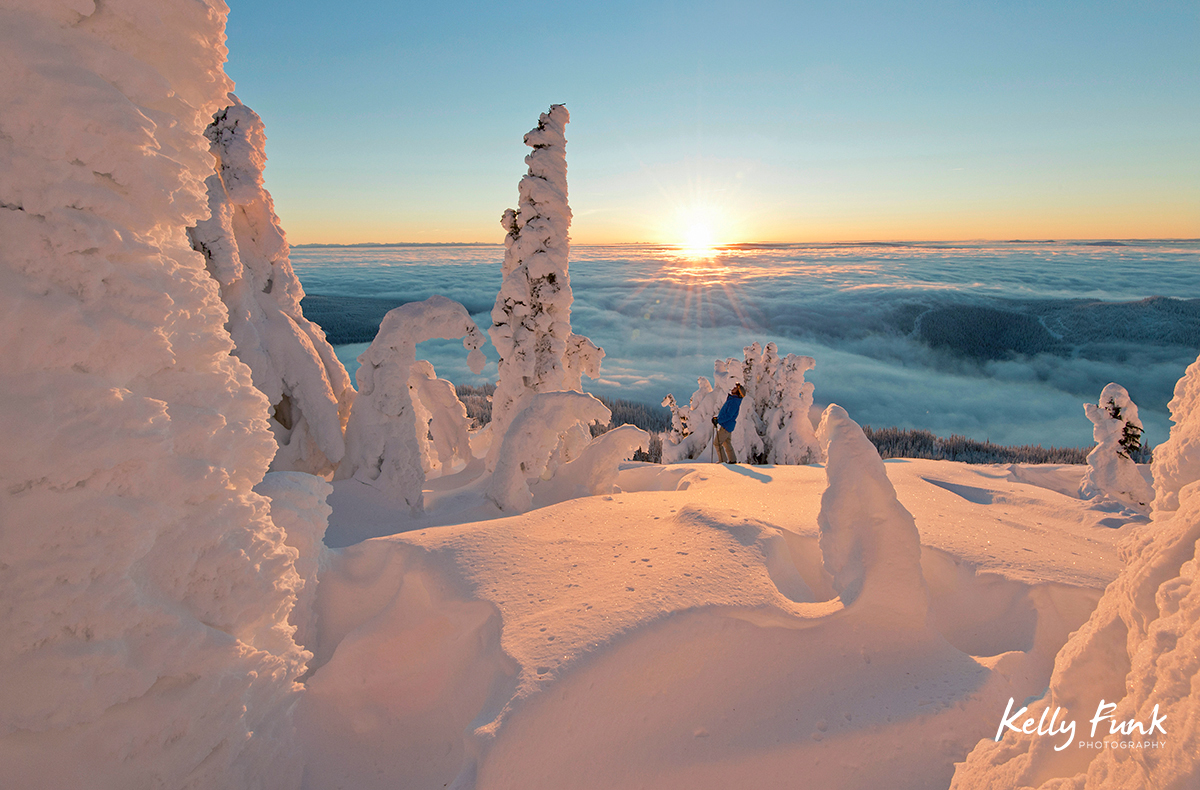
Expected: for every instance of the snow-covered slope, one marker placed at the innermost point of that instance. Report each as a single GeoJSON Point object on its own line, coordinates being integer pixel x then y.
{"type": "Point", "coordinates": [683, 631]}
{"type": "Point", "coordinates": [144, 636]}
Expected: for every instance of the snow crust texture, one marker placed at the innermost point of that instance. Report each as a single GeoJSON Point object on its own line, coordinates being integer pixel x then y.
{"type": "Point", "coordinates": [382, 445]}
{"type": "Point", "coordinates": [1140, 649]}
{"type": "Point", "coordinates": [1112, 473]}
{"type": "Point", "coordinates": [291, 361]}
{"type": "Point", "coordinates": [1177, 460]}
{"type": "Point", "coordinates": [145, 634]}
{"type": "Point", "coordinates": [531, 320]}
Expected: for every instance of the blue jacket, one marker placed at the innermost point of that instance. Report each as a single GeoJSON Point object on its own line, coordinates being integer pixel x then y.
{"type": "Point", "coordinates": [727, 417]}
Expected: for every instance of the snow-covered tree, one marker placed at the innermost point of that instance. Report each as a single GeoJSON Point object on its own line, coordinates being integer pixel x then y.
{"type": "Point", "coordinates": [1112, 473]}
{"type": "Point", "coordinates": [146, 589]}
{"type": "Point", "coordinates": [773, 425]}
{"type": "Point", "coordinates": [531, 320]}
{"type": "Point", "coordinates": [247, 253]}
{"type": "Point", "coordinates": [446, 438]}
{"type": "Point", "coordinates": [532, 444]}
{"type": "Point", "coordinates": [382, 444]}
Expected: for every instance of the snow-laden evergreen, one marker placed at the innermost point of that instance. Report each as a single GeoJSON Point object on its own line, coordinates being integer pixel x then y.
{"type": "Point", "coordinates": [382, 444]}
{"type": "Point", "coordinates": [289, 357]}
{"type": "Point", "coordinates": [443, 427]}
{"type": "Point", "coordinates": [531, 320]}
{"type": "Point", "coordinates": [1112, 473]}
{"type": "Point", "coordinates": [773, 425]}
{"type": "Point", "coordinates": [146, 591]}
{"type": "Point", "coordinates": [533, 444]}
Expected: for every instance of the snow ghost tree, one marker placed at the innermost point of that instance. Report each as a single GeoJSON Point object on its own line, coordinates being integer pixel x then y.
{"type": "Point", "coordinates": [773, 425]}
{"type": "Point", "coordinates": [531, 320]}
{"type": "Point", "coordinates": [532, 449]}
{"type": "Point", "coordinates": [1139, 651]}
{"type": "Point", "coordinates": [1112, 473]}
{"type": "Point", "coordinates": [869, 542]}
{"type": "Point", "coordinates": [146, 589]}
{"type": "Point", "coordinates": [289, 357]}
{"type": "Point", "coordinates": [443, 427]}
{"type": "Point", "coordinates": [382, 445]}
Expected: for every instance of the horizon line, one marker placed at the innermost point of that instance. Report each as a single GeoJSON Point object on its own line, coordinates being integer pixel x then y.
{"type": "Point", "coordinates": [736, 245]}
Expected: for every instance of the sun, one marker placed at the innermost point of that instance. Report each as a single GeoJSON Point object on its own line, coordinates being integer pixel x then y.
{"type": "Point", "coordinates": [697, 230]}
{"type": "Point", "coordinates": [699, 239]}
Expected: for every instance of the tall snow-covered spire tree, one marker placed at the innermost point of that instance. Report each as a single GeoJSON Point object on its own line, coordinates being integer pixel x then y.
{"type": "Point", "coordinates": [531, 321]}
{"type": "Point", "coordinates": [291, 361]}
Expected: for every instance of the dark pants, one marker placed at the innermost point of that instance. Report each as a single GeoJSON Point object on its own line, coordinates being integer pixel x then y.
{"type": "Point", "coordinates": [725, 446]}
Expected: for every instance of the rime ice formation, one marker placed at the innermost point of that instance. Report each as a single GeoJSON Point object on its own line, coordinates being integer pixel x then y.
{"type": "Point", "coordinates": [1140, 649]}
{"type": "Point", "coordinates": [1177, 460]}
{"type": "Point", "coordinates": [531, 320]}
{"type": "Point", "coordinates": [773, 425]}
{"type": "Point", "coordinates": [446, 438]}
{"type": "Point", "coordinates": [1112, 473]}
{"type": "Point", "coordinates": [291, 362]}
{"type": "Point", "coordinates": [532, 441]}
{"type": "Point", "coordinates": [382, 447]}
{"type": "Point", "coordinates": [869, 542]}
{"type": "Point", "coordinates": [146, 589]}
{"type": "Point", "coordinates": [298, 508]}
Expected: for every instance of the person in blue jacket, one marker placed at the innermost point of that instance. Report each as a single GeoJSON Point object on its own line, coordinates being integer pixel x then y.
{"type": "Point", "coordinates": [725, 421]}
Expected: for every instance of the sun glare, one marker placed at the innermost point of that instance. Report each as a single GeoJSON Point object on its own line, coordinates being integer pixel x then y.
{"type": "Point", "coordinates": [697, 231]}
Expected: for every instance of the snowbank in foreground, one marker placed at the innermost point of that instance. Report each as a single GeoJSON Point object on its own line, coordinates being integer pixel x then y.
{"type": "Point", "coordinates": [1139, 653]}
{"type": "Point", "coordinates": [146, 590]}
{"type": "Point", "coordinates": [683, 631]}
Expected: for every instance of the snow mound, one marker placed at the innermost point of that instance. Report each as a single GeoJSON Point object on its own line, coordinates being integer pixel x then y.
{"type": "Point", "coordinates": [1112, 473]}
{"type": "Point", "coordinates": [869, 542]}
{"type": "Point", "coordinates": [289, 357]}
{"type": "Point", "coordinates": [1139, 653]}
{"type": "Point", "coordinates": [382, 445]}
{"type": "Point", "coordinates": [146, 590]}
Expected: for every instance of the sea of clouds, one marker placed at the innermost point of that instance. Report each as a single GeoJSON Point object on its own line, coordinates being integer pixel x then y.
{"type": "Point", "coordinates": [993, 341]}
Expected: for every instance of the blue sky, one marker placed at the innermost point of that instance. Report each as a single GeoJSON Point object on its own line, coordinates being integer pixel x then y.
{"type": "Point", "coordinates": [776, 121]}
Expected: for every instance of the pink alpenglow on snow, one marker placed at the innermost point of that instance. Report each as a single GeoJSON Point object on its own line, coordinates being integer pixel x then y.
{"type": "Point", "coordinates": [1140, 649]}
{"type": "Point", "coordinates": [247, 253]}
{"type": "Point", "coordinates": [549, 432]}
{"type": "Point", "coordinates": [1112, 473]}
{"type": "Point", "coordinates": [531, 320]}
{"type": "Point", "coordinates": [1177, 460]}
{"type": "Point", "coordinates": [869, 542]}
{"type": "Point", "coordinates": [382, 446]}
{"type": "Point", "coordinates": [146, 591]}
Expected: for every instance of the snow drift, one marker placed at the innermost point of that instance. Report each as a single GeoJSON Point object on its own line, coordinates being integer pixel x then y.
{"type": "Point", "coordinates": [146, 589]}
{"type": "Point", "coordinates": [1139, 651]}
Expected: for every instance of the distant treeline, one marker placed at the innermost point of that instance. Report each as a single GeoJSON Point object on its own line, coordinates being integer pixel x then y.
{"type": "Point", "coordinates": [654, 419]}
{"type": "Point", "coordinates": [908, 443]}
{"type": "Point", "coordinates": [890, 442]}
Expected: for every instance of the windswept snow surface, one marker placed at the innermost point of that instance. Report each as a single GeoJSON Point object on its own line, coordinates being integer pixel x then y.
{"type": "Point", "coordinates": [683, 631]}
{"type": "Point", "coordinates": [1139, 652]}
